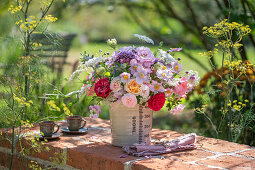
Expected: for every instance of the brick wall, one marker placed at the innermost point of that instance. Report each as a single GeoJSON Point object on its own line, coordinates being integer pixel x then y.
{"type": "Point", "coordinates": [93, 151]}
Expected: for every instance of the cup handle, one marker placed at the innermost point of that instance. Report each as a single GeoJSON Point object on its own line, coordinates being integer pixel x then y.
{"type": "Point", "coordinates": [84, 123]}
{"type": "Point", "coordinates": [57, 128]}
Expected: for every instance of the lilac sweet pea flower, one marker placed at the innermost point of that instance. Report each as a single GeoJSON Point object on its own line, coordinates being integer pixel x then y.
{"type": "Point", "coordinates": [175, 49]}
{"type": "Point", "coordinates": [145, 56]}
{"type": "Point", "coordinates": [93, 116]}
{"type": "Point", "coordinates": [141, 75]}
{"type": "Point", "coordinates": [95, 111]}
{"type": "Point", "coordinates": [97, 108]}
{"type": "Point", "coordinates": [177, 67]}
{"type": "Point", "coordinates": [156, 87]}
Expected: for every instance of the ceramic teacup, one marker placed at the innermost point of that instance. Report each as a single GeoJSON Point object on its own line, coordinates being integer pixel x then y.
{"type": "Point", "coordinates": [47, 128]}
{"type": "Point", "coordinates": [75, 123]}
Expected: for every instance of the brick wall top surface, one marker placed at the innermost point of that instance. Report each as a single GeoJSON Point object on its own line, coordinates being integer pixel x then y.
{"type": "Point", "coordinates": [94, 151]}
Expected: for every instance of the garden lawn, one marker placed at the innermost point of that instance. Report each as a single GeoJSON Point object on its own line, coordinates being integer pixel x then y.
{"type": "Point", "coordinates": [187, 64]}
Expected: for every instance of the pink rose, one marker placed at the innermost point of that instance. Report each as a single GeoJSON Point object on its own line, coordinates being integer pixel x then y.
{"type": "Point", "coordinates": [115, 85]}
{"type": "Point", "coordinates": [181, 88]}
{"type": "Point", "coordinates": [129, 100]}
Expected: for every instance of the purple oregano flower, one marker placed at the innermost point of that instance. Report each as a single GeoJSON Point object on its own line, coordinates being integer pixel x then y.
{"type": "Point", "coordinates": [124, 55]}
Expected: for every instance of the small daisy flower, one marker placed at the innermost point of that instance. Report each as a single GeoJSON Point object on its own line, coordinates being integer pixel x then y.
{"type": "Point", "coordinates": [177, 67]}
{"type": "Point", "coordinates": [124, 77]}
{"type": "Point", "coordinates": [134, 66]}
{"type": "Point", "coordinates": [141, 75]}
{"type": "Point", "coordinates": [169, 92]}
{"type": "Point", "coordinates": [164, 74]}
{"type": "Point", "coordinates": [156, 87]}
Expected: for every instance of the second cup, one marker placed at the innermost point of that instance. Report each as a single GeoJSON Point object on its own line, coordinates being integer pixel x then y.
{"type": "Point", "coordinates": [75, 122]}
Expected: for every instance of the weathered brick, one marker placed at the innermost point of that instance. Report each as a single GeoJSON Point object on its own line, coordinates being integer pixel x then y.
{"type": "Point", "coordinates": [230, 162]}
{"type": "Point", "coordinates": [250, 153]}
{"type": "Point", "coordinates": [166, 134]}
{"type": "Point", "coordinates": [93, 151]}
{"type": "Point", "coordinates": [163, 164]}
{"type": "Point", "coordinates": [97, 156]}
{"type": "Point", "coordinates": [189, 155]}
{"type": "Point", "coordinates": [18, 162]}
{"type": "Point", "coordinates": [218, 145]}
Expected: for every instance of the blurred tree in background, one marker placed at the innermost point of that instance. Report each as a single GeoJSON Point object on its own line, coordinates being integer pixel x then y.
{"type": "Point", "coordinates": [175, 22]}
{"type": "Point", "coordinates": [198, 13]}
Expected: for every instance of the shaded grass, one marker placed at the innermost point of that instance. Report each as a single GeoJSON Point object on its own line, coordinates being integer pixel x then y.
{"type": "Point", "coordinates": [187, 64]}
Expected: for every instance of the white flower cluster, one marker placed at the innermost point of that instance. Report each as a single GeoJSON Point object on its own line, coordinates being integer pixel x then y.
{"type": "Point", "coordinates": [167, 58]}
{"type": "Point", "coordinates": [93, 61]}
{"type": "Point", "coordinates": [173, 82]}
{"type": "Point", "coordinates": [144, 38]}
{"type": "Point", "coordinates": [77, 72]}
{"type": "Point", "coordinates": [192, 77]}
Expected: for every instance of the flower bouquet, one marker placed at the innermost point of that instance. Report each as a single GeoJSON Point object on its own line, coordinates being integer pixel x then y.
{"type": "Point", "coordinates": [135, 81]}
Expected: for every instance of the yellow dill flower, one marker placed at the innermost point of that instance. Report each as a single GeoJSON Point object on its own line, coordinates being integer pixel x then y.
{"type": "Point", "coordinates": [66, 110]}
{"type": "Point", "coordinates": [22, 101]}
{"type": "Point", "coordinates": [52, 106]}
{"type": "Point", "coordinates": [14, 9]}
{"type": "Point", "coordinates": [50, 18]}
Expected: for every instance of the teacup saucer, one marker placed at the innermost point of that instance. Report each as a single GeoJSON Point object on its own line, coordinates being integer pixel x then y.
{"type": "Point", "coordinates": [80, 131]}
{"type": "Point", "coordinates": [54, 136]}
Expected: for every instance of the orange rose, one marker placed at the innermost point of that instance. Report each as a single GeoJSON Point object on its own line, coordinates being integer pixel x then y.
{"type": "Point", "coordinates": [133, 87]}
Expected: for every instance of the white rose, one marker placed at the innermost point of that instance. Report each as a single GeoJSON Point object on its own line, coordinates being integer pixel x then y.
{"type": "Point", "coordinates": [145, 91]}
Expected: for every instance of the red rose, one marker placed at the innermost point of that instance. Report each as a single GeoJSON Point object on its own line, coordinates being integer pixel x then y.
{"type": "Point", "coordinates": [102, 88]}
{"type": "Point", "coordinates": [157, 101]}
